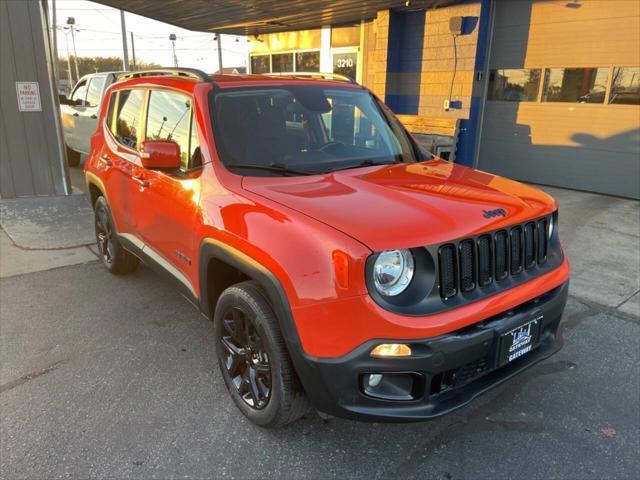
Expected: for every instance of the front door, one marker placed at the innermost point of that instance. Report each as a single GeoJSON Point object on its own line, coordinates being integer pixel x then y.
{"type": "Point", "coordinates": [71, 112]}
{"type": "Point", "coordinates": [87, 119]}
{"type": "Point", "coordinates": [166, 202]}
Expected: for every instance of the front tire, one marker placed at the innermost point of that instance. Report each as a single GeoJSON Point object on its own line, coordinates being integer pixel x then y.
{"type": "Point", "coordinates": [253, 358]}
{"type": "Point", "coordinates": [114, 257]}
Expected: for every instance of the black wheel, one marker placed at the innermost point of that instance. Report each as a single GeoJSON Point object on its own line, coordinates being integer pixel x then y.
{"type": "Point", "coordinates": [253, 359]}
{"type": "Point", "coordinates": [73, 158]}
{"type": "Point", "coordinates": [114, 257]}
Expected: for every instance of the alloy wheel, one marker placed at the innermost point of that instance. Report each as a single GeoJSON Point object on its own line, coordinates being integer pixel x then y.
{"type": "Point", "coordinates": [245, 358]}
{"type": "Point", "coordinates": [104, 236]}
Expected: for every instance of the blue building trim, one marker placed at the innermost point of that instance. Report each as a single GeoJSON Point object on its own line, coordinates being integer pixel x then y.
{"type": "Point", "coordinates": [468, 129]}
{"type": "Point", "coordinates": [404, 61]}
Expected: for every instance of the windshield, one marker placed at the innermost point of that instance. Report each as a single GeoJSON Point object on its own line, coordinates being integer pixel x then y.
{"type": "Point", "coordinates": [302, 130]}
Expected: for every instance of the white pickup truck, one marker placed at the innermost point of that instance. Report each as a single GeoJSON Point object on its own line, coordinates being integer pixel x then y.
{"type": "Point", "coordinates": [80, 113]}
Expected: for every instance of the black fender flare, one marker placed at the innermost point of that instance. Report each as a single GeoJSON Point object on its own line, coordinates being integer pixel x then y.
{"type": "Point", "coordinates": [214, 249]}
{"type": "Point", "coordinates": [277, 297]}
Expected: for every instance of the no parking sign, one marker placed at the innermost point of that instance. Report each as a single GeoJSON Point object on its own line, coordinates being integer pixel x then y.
{"type": "Point", "coordinates": [28, 97]}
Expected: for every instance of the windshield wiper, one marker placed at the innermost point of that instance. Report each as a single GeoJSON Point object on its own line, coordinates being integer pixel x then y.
{"type": "Point", "coordinates": [272, 167]}
{"type": "Point", "coordinates": [366, 163]}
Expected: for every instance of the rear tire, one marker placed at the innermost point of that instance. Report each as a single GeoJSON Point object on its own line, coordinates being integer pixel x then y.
{"type": "Point", "coordinates": [113, 255]}
{"type": "Point", "coordinates": [253, 358]}
{"type": "Point", "coordinates": [73, 158]}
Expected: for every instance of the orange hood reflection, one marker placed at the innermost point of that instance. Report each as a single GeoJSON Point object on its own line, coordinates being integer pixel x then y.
{"type": "Point", "coordinates": [399, 206]}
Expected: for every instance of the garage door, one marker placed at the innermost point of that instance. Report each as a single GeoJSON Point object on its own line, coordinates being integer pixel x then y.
{"type": "Point", "coordinates": [563, 100]}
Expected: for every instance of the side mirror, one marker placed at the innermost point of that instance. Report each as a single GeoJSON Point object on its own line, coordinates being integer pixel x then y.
{"type": "Point", "coordinates": [163, 154]}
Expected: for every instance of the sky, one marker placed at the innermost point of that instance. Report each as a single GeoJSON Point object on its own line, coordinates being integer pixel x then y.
{"type": "Point", "coordinates": [98, 34]}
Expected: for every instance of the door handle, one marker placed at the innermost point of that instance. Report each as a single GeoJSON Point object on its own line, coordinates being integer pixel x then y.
{"type": "Point", "coordinates": [105, 159]}
{"type": "Point", "coordinates": [76, 114]}
{"type": "Point", "coordinates": [140, 179]}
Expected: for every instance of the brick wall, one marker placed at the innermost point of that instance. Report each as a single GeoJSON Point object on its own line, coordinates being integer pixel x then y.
{"type": "Point", "coordinates": [436, 72]}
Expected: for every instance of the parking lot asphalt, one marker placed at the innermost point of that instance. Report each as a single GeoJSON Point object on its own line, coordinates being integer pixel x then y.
{"type": "Point", "coordinates": [116, 377]}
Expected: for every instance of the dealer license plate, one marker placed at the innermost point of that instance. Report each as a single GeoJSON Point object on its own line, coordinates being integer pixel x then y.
{"type": "Point", "coordinates": [519, 341]}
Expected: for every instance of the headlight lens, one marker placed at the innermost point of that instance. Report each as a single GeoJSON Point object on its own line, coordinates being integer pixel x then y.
{"type": "Point", "coordinates": [393, 271]}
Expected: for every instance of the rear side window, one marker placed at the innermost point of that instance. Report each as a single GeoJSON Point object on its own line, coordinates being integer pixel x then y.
{"type": "Point", "coordinates": [94, 93]}
{"type": "Point", "coordinates": [128, 117]}
{"type": "Point", "coordinates": [168, 119]}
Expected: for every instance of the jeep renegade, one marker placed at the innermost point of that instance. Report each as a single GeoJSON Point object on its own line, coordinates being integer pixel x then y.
{"type": "Point", "coordinates": [343, 268]}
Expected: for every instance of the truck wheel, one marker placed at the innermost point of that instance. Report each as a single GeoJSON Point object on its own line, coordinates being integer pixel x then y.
{"type": "Point", "coordinates": [73, 158]}
{"type": "Point", "coordinates": [253, 359]}
{"type": "Point", "coordinates": [114, 257]}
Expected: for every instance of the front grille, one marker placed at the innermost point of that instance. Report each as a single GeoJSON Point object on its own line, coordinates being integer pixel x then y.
{"type": "Point", "coordinates": [468, 264]}
{"type": "Point", "coordinates": [448, 283]}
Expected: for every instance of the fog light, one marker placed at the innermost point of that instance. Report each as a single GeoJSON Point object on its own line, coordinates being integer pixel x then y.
{"type": "Point", "coordinates": [391, 350]}
{"type": "Point", "coordinates": [374, 379]}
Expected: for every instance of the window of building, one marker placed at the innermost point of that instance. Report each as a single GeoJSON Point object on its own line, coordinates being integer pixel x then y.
{"type": "Point", "coordinates": [583, 85]}
{"type": "Point", "coordinates": [79, 94]}
{"type": "Point", "coordinates": [514, 85]}
{"type": "Point", "coordinates": [128, 117]}
{"type": "Point", "coordinates": [625, 86]}
{"type": "Point", "coordinates": [282, 62]}
{"type": "Point", "coordinates": [168, 119]}
{"type": "Point", "coordinates": [94, 93]}
{"type": "Point", "coordinates": [307, 61]}
{"type": "Point", "coordinates": [260, 64]}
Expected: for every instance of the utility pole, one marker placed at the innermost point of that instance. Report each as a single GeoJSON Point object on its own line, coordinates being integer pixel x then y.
{"type": "Point", "coordinates": [54, 43]}
{"type": "Point", "coordinates": [173, 37]}
{"type": "Point", "coordinates": [69, 77]}
{"type": "Point", "coordinates": [133, 52]}
{"type": "Point", "coordinates": [220, 53]}
{"type": "Point", "coordinates": [71, 22]}
{"type": "Point", "coordinates": [125, 53]}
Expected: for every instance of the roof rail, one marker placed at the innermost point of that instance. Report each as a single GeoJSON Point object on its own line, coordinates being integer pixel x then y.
{"type": "Point", "coordinates": [178, 72]}
{"type": "Point", "coordinates": [329, 76]}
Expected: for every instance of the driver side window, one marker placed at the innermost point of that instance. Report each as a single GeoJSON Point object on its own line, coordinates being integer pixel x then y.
{"type": "Point", "coordinates": [79, 94]}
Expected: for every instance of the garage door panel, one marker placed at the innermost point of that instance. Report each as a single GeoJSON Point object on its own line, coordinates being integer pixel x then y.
{"type": "Point", "coordinates": [569, 167]}
{"type": "Point", "coordinates": [577, 145]}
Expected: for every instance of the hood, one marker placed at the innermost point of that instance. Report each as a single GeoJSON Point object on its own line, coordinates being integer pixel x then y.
{"type": "Point", "coordinates": [405, 206]}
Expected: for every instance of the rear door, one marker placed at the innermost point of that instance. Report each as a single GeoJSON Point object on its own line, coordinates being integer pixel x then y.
{"type": "Point", "coordinates": [166, 207]}
{"type": "Point", "coordinates": [71, 114]}
{"type": "Point", "coordinates": [120, 158]}
{"type": "Point", "coordinates": [87, 119]}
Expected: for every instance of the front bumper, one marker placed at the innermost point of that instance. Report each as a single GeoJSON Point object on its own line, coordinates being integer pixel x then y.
{"type": "Point", "coordinates": [447, 371]}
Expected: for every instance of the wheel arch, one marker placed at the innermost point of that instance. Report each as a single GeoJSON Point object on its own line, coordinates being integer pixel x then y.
{"type": "Point", "coordinates": [214, 253]}
{"type": "Point", "coordinates": [95, 188]}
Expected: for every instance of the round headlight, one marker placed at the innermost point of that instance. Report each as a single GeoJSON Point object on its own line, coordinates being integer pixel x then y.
{"type": "Point", "coordinates": [393, 271]}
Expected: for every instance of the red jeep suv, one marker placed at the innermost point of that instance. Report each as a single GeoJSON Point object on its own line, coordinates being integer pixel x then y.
{"type": "Point", "coordinates": [343, 268]}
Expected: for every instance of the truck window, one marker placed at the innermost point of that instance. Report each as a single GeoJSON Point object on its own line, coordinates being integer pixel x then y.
{"type": "Point", "coordinates": [94, 92]}
{"type": "Point", "coordinates": [77, 97]}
